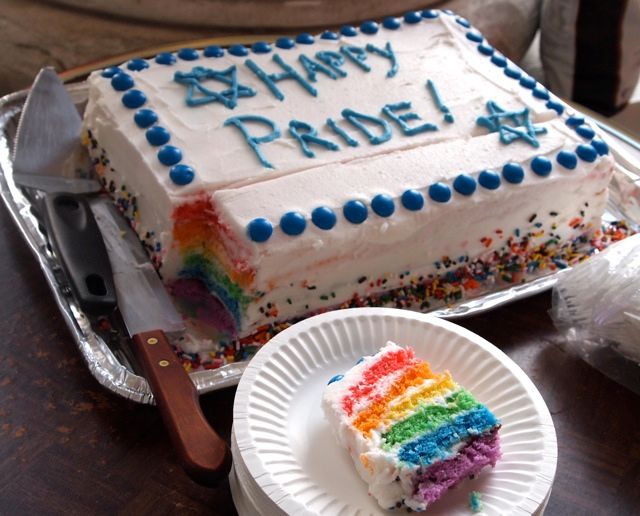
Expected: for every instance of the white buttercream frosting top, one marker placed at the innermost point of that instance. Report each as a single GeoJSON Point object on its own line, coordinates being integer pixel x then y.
{"type": "Point", "coordinates": [222, 157]}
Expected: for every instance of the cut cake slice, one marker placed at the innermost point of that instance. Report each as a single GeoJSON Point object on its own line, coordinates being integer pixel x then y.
{"type": "Point", "coordinates": [412, 433]}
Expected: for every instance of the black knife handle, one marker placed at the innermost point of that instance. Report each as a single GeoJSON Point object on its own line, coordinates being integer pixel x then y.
{"type": "Point", "coordinates": [77, 242]}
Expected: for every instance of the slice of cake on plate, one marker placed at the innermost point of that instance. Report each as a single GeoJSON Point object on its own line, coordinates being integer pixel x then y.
{"type": "Point", "coordinates": [405, 163]}
{"type": "Point", "coordinates": [412, 433]}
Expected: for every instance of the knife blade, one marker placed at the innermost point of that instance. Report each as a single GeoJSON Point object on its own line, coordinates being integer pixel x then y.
{"type": "Point", "coordinates": [149, 315]}
{"type": "Point", "coordinates": [50, 162]}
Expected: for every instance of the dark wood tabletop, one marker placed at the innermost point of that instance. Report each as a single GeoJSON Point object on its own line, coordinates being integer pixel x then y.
{"type": "Point", "coordinates": [69, 446]}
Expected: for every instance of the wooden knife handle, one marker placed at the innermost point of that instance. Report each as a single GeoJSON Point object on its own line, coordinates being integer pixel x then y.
{"type": "Point", "coordinates": [203, 454]}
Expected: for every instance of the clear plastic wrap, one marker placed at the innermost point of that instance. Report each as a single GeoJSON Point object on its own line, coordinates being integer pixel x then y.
{"type": "Point", "coordinates": [597, 307]}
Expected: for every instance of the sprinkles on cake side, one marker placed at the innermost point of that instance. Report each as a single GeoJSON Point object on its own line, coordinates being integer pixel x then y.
{"type": "Point", "coordinates": [412, 433]}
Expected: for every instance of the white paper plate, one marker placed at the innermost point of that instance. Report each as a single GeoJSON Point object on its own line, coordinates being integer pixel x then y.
{"type": "Point", "coordinates": [287, 448]}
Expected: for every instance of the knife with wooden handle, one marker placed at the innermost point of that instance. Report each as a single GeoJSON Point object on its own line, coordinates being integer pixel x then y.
{"type": "Point", "coordinates": [149, 315]}
{"type": "Point", "coordinates": [106, 265]}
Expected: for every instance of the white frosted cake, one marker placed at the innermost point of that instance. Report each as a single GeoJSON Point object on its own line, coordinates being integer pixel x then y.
{"type": "Point", "coordinates": [404, 163]}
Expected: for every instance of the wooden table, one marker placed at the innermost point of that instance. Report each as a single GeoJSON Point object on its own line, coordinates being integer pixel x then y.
{"type": "Point", "coordinates": [68, 446]}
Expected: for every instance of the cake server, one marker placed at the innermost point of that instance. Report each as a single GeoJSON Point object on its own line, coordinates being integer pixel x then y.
{"type": "Point", "coordinates": [149, 314]}
{"type": "Point", "coordinates": [55, 169]}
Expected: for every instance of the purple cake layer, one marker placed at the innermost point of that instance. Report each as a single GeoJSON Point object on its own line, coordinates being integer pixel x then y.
{"type": "Point", "coordinates": [434, 481]}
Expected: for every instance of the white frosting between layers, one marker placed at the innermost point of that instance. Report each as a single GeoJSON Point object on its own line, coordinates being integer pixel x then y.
{"type": "Point", "coordinates": [382, 467]}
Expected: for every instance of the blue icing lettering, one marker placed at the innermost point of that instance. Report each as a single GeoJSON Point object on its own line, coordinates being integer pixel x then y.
{"type": "Point", "coordinates": [333, 60]}
{"type": "Point", "coordinates": [386, 52]}
{"type": "Point", "coordinates": [270, 79]}
{"type": "Point", "coordinates": [198, 94]}
{"type": "Point", "coordinates": [522, 126]}
{"type": "Point", "coordinates": [356, 119]}
{"type": "Point", "coordinates": [435, 94]}
{"type": "Point", "coordinates": [255, 141]}
{"type": "Point", "coordinates": [401, 120]}
{"type": "Point", "coordinates": [313, 68]}
{"type": "Point", "coordinates": [351, 142]}
{"type": "Point", "coordinates": [309, 136]}
{"type": "Point", "coordinates": [356, 55]}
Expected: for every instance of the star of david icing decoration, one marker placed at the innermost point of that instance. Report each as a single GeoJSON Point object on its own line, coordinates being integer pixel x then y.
{"type": "Point", "coordinates": [520, 126]}
{"type": "Point", "coordinates": [199, 94]}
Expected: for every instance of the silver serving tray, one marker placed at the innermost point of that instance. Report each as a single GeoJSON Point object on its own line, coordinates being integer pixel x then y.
{"type": "Point", "coordinates": [103, 350]}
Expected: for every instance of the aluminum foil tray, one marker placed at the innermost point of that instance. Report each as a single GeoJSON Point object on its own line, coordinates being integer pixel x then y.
{"type": "Point", "coordinates": [105, 350]}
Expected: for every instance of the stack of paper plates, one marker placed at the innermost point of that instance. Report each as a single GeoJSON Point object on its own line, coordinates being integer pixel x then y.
{"type": "Point", "coordinates": [286, 460]}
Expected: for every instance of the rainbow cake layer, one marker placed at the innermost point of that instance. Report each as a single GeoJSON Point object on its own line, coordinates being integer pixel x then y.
{"type": "Point", "coordinates": [412, 433]}
{"type": "Point", "coordinates": [402, 163]}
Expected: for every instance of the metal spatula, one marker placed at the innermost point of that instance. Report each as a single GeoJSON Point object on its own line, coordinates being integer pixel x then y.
{"type": "Point", "coordinates": [49, 161]}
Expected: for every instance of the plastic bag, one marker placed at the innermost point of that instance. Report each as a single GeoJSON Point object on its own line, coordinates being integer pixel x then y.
{"type": "Point", "coordinates": [597, 307]}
